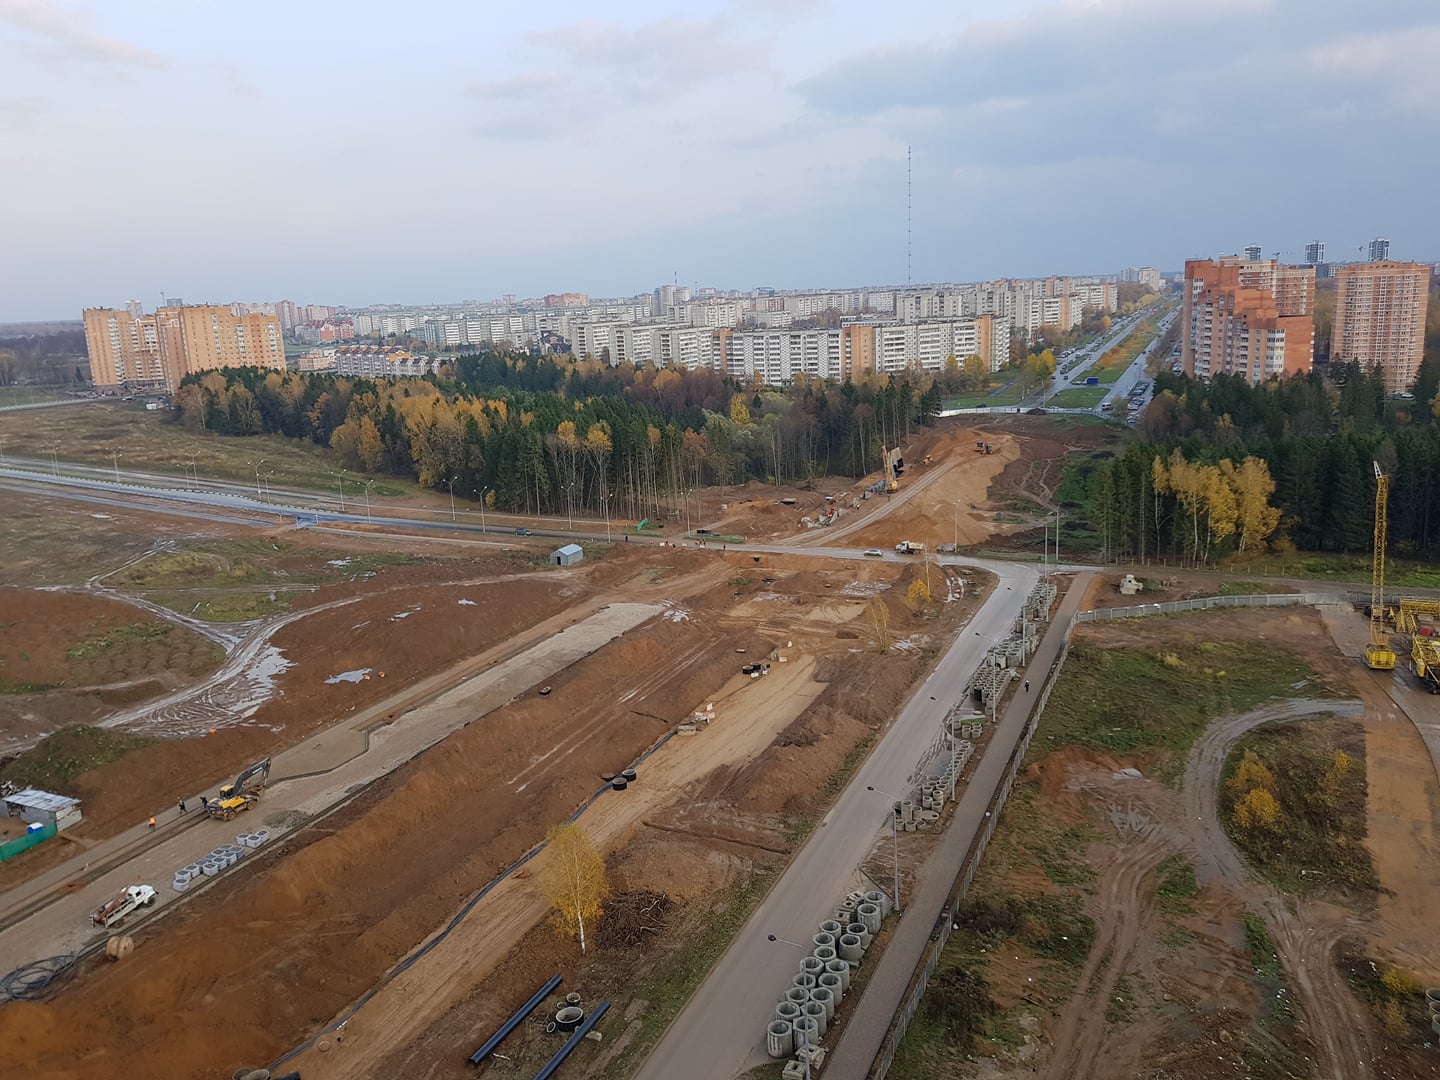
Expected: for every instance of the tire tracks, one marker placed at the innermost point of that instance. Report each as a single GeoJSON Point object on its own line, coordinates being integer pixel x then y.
{"type": "Point", "coordinates": [1081, 1031]}
{"type": "Point", "coordinates": [1305, 932]}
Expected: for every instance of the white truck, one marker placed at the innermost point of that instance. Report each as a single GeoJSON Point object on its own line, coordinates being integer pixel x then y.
{"type": "Point", "coordinates": [908, 547]}
{"type": "Point", "coordinates": [116, 908]}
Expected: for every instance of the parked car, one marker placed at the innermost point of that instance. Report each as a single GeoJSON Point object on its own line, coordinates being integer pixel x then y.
{"type": "Point", "coordinates": [522, 532]}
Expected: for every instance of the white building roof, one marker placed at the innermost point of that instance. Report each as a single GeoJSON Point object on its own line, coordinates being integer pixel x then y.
{"type": "Point", "coordinates": [568, 549]}
{"type": "Point", "coordinates": [42, 800]}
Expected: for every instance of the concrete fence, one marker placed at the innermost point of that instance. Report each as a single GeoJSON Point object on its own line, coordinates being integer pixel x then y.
{"type": "Point", "coordinates": [930, 959]}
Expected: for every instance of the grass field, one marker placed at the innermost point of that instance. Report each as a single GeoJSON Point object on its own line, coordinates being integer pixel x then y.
{"type": "Point", "coordinates": [1399, 573]}
{"type": "Point", "coordinates": [1008, 393]}
{"type": "Point", "coordinates": [1130, 700]}
{"type": "Point", "coordinates": [89, 433]}
{"type": "Point", "coordinates": [1079, 397]}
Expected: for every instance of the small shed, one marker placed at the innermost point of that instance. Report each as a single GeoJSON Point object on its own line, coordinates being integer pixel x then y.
{"type": "Point", "coordinates": [43, 807]}
{"type": "Point", "coordinates": [568, 555]}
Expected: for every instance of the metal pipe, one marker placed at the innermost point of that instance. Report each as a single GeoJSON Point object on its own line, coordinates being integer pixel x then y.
{"type": "Point", "coordinates": [493, 1043]}
{"type": "Point", "coordinates": [572, 1042]}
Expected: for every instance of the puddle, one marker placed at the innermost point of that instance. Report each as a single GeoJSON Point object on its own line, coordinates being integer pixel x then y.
{"type": "Point", "coordinates": [358, 675]}
{"type": "Point", "coordinates": [401, 615]}
{"type": "Point", "coordinates": [466, 603]}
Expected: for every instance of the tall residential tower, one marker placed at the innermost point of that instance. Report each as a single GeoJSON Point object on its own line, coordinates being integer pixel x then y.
{"type": "Point", "coordinates": [1380, 319]}
{"type": "Point", "coordinates": [1247, 317]}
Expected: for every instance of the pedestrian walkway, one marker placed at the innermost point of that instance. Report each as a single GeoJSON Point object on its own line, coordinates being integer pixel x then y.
{"type": "Point", "coordinates": [864, 1035]}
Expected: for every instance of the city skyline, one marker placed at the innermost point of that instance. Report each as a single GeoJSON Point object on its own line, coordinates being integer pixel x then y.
{"type": "Point", "coordinates": [755, 142]}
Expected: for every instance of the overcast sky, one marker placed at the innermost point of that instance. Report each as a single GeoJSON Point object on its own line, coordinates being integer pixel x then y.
{"type": "Point", "coordinates": [428, 151]}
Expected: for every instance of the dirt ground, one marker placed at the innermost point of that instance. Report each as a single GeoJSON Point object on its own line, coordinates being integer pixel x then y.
{"type": "Point", "coordinates": [1171, 986]}
{"type": "Point", "coordinates": [275, 953]}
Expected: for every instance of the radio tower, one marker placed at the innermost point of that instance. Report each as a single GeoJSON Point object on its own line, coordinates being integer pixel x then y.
{"type": "Point", "coordinates": [907, 217]}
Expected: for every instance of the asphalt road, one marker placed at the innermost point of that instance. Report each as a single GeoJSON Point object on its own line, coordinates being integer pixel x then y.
{"type": "Point", "coordinates": [720, 1033]}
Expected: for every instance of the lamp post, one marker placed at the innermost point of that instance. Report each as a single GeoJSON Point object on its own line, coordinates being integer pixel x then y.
{"type": "Point", "coordinates": [451, 484]}
{"type": "Point", "coordinates": [605, 503]}
{"type": "Point", "coordinates": [894, 837]}
{"type": "Point", "coordinates": [340, 480]}
{"type": "Point", "coordinates": [54, 461]}
{"type": "Point", "coordinates": [570, 504]}
{"type": "Point", "coordinates": [195, 469]}
{"type": "Point", "coordinates": [368, 518]}
{"type": "Point", "coordinates": [796, 944]}
{"type": "Point", "coordinates": [482, 507]}
{"type": "Point", "coordinates": [257, 475]}
{"type": "Point", "coordinates": [269, 488]}
{"type": "Point", "coordinates": [957, 524]}
{"type": "Point", "coordinates": [115, 463]}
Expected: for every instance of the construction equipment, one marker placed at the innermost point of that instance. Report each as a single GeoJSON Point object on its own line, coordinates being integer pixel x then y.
{"type": "Point", "coordinates": [1379, 656]}
{"type": "Point", "coordinates": [1425, 656]}
{"type": "Point", "coordinates": [894, 465]}
{"type": "Point", "coordinates": [241, 794]}
{"type": "Point", "coordinates": [113, 911]}
{"type": "Point", "coordinates": [909, 547]}
{"type": "Point", "coordinates": [1407, 617]}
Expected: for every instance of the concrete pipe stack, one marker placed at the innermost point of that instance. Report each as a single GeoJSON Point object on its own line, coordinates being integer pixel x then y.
{"type": "Point", "coordinates": [1432, 999]}
{"type": "Point", "coordinates": [880, 900]}
{"type": "Point", "coordinates": [870, 918]}
{"type": "Point", "coordinates": [860, 930]}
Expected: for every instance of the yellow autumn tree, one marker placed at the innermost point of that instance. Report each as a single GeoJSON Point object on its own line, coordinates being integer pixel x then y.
{"type": "Point", "coordinates": [918, 594]}
{"type": "Point", "coordinates": [879, 616]}
{"type": "Point", "coordinates": [1258, 811]}
{"type": "Point", "coordinates": [739, 411]}
{"type": "Point", "coordinates": [1253, 488]}
{"type": "Point", "coordinates": [1251, 773]}
{"type": "Point", "coordinates": [572, 877]}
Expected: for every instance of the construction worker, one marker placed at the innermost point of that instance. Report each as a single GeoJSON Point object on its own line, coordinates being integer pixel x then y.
{"type": "Point", "coordinates": [182, 806]}
{"type": "Point", "coordinates": [152, 821]}
{"type": "Point", "coordinates": [1027, 686]}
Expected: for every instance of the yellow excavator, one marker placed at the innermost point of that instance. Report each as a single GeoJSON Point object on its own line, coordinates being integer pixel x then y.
{"type": "Point", "coordinates": [242, 793]}
{"type": "Point", "coordinates": [1379, 656]}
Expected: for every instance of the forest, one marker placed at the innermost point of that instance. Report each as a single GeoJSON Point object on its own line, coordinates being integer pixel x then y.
{"type": "Point", "coordinates": [555, 435]}
{"type": "Point", "coordinates": [1175, 494]}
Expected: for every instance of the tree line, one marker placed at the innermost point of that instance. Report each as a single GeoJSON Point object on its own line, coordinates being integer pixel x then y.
{"type": "Point", "coordinates": [1308, 444]}
{"type": "Point", "coordinates": [551, 435]}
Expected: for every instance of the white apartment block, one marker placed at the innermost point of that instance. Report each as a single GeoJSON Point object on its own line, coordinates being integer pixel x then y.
{"type": "Point", "coordinates": [383, 362]}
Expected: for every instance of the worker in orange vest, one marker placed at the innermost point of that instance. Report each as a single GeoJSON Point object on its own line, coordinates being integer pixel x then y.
{"type": "Point", "coordinates": [152, 821]}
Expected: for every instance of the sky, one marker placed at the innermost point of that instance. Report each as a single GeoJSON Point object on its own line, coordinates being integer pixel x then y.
{"type": "Point", "coordinates": [438, 152]}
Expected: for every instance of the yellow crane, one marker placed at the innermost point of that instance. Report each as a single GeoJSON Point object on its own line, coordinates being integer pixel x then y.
{"type": "Point", "coordinates": [1379, 656]}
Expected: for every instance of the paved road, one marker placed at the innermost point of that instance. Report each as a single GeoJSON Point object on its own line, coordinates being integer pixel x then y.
{"type": "Point", "coordinates": [720, 1033]}
{"type": "Point", "coordinates": [865, 1033]}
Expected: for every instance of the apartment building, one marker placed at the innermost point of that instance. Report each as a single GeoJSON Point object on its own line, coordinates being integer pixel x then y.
{"type": "Point", "coordinates": [1247, 317]}
{"type": "Point", "coordinates": [159, 350]}
{"type": "Point", "coordinates": [1380, 319]}
{"type": "Point", "coordinates": [383, 362]}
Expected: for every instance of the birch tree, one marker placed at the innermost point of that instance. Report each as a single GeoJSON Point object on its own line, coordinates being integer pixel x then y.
{"type": "Point", "coordinates": [572, 877]}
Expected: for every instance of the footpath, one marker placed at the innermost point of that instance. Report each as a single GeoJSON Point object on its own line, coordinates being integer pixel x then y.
{"type": "Point", "coordinates": [864, 1036]}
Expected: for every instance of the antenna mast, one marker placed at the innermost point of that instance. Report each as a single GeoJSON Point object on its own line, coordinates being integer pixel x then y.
{"type": "Point", "coordinates": [907, 217]}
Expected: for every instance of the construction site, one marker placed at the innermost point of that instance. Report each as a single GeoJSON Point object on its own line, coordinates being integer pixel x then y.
{"type": "Point", "coordinates": [383, 729]}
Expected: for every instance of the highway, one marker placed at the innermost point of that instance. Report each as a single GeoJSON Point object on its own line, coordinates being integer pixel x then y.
{"type": "Point", "coordinates": [719, 1035]}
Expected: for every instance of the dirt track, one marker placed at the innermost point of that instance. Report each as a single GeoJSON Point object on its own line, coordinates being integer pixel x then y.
{"type": "Point", "coordinates": [1304, 931]}
{"type": "Point", "coordinates": [1123, 900]}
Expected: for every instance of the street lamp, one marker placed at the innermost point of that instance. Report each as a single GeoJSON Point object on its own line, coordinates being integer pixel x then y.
{"type": "Point", "coordinates": [340, 479]}
{"type": "Point", "coordinates": [451, 483]}
{"type": "Point", "coordinates": [482, 507]}
{"type": "Point", "coordinates": [368, 518]}
{"type": "Point", "coordinates": [796, 944]}
{"type": "Point", "coordinates": [54, 460]}
{"type": "Point", "coordinates": [257, 476]}
{"type": "Point", "coordinates": [115, 463]}
{"type": "Point", "coordinates": [269, 488]}
{"type": "Point", "coordinates": [194, 468]}
{"type": "Point", "coordinates": [894, 836]}
{"type": "Point", "coordinates": [605, 503]}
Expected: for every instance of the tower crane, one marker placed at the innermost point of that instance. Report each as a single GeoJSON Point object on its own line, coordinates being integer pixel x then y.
{"type": "Point", "coordinates": [1379, 656]}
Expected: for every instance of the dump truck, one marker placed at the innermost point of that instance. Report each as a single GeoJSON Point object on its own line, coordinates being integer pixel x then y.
{"type": "Point", "coordinates": [242, 793]}
{"type": "Point", "coordinates": [909, 547]}
{"type": "Point", "coordinates": [113, 911]}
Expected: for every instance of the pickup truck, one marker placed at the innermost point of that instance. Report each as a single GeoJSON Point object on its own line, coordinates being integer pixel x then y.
{"type": "Point", "coordinates": [114, 910]}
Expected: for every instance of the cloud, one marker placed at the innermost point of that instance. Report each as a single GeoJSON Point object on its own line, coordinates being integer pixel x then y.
{"type": "Point", "coordinates": [70, 30]}
{"type": "Point", "coordinates": [670, 56]}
